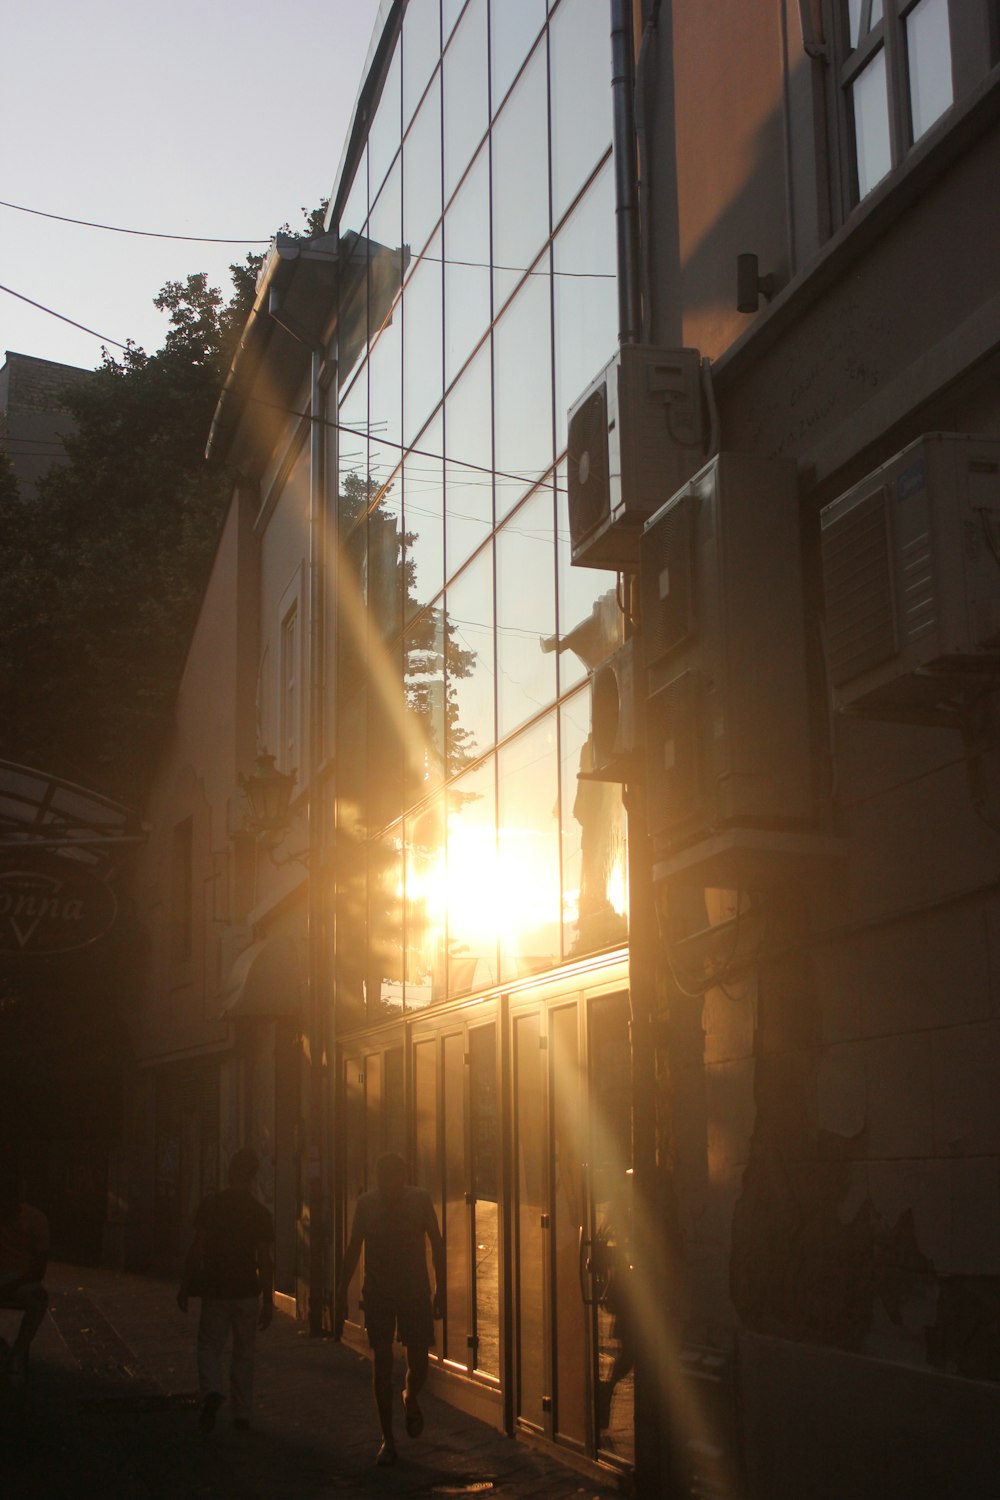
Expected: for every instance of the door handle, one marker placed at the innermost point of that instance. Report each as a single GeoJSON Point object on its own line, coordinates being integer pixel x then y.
{"type": "Point", "coordinates": [586, 1285]}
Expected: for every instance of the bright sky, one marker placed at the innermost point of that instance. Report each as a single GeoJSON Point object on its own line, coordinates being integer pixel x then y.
{"type": "Point", "coordinates": [201, 117]}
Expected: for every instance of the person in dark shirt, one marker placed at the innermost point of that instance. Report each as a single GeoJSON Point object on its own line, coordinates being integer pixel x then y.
{"type": "Point", "coordinates": [391, 1224]}
{"type": "Point", "coordinates": [230, 1266]}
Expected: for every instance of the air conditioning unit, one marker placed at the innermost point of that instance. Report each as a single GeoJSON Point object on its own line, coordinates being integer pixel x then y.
{"type": "Point", "coordinates": [615, 706]}
{"type": "Point", "coordinates": [729, 788]}
{"type": "Point", "coordinates": [635, 435]}
{"type": "Point", "coordinates": [911, 577]}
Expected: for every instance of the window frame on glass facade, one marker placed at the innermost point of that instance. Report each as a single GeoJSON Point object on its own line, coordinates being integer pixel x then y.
{"type": "Point", "coordinates": [484, 406]}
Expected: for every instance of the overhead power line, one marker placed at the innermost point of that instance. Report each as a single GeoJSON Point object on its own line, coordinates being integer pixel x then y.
{"type": "Point", "coordinates": [147, 234]}
{"type": "Point", "coordinates": [62, 317]}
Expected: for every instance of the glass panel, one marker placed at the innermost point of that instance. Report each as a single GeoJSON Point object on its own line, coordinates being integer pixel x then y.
{"type": "Point", "coordinates": [594, 852]}
{"type": "Point", "coordinates": [353, 315]}
{"type": "Point", "coordinates": [472, 881]}
{"type": "Point", "coordinates": [384, 445]}
{"type": "Point", "coordinates": [353, 419]}
{"type": "Point", "coordinates": [374, 1131]}
{"type": "Point", "coordinates": [385, 925]}
{"type": "Point", "coordinates": [469, 602]}
{"type": "Point", "coordinates": [514, 25]}
{"type": "Point", "coordinates": [425, 1120]}
{"type": "Point", "coordinates": [585, 291]}
{"type": "Point", "coordinates": [354, 1162]}
{"type": "Point", "coordinates": [456, 1212]}
{"type": "Point", "coordinates": [424, 688]}
{"type": "Point", "coordinates": [467, 268]}
{"type": "Point", "coordinates": [422, 342]}
{"type": "Point", "coordinates": [527, 898]}
{"type": "Point", "coordinates": [355, 210]}
{"type": "Point", "coordinates": [450, 12]}
{"type": "Point", "coordinates": [529, 1156]}
{"type": "Point", "coordinates": [385, 276]}
{"type": "Point", "coordinates": [568, 1219]}
{"type": "Point", "coordinates": [351, 867]}
{"type": "Point", "coordinates": [580, 66]}
{"type": "Point", "coordinates": [426, 1154]}
{"type": "Point", "coordinates": [526, 612]}
{"type": "Point", "coordinates": [388, 731]}
{"type": "Point", "coordinates": [385, 559]}
{"type": "Point", "coordinates": [520, 179]}
{"type": "Point", "coordinates": [870, 102]}
{"type": "Point", "coordinates": [611, 1251]}
{"type": "Point", "coordinates": [591, 624]}
{"type": "Point", "coordinates": [421, 49]}
{"type": "Point", "coordinates": [385, 360]}
{"type": "Point", "coordinates": [422, 172]}
{"type": "Point", "coordinates": [352, 643]}
{"type": "Point", "coordinates": [485, 1106]}
{"type": "Point", "coordinates": [425, 907]}
{"type": "Point", "coordinates": [386, 128]}
{"type": "Point", "coordinates": [395, 1102]}
{"type": "Point", "coordinates": [522, 392]}
{"type": "Point", "coordinates": [468, 472]}
{"type": "Point", "coordinates": [466, 94]}
{"type": "Point", "coordinates": [928, 47]}
{"type": "Point", "coordinates": [423, 511]}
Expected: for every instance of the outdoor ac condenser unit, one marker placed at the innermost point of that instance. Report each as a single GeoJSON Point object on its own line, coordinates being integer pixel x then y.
{"type": "Point", "coordinates": [615, 707]}
{"type": "Point", "coordinates": [729, 789]}
{"type": "Point", "coordinates": [635, 436]}
{"type": "Point", "coordinates": [911, 577]}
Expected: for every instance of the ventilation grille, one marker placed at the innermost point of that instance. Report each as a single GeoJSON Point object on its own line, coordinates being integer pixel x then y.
{"type": "Point", "coordinates": [857, 580]}
{"type": "Point", "coordinates": [667, 582]}
{"type": "Point", "coordinates": [589, 482]}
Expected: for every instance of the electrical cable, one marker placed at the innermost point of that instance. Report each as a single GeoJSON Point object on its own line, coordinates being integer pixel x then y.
{"type": "Point", "coordinates": [62, 317]}
{"type": "Point", "coordinates": [148, 234]}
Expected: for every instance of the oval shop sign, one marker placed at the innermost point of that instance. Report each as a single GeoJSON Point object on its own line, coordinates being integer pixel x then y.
{"type": "Point", "coordinates": [52, 910]}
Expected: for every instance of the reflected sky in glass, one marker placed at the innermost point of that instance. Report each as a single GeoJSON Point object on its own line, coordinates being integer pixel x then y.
{"type": "Point", "coordinates": [520, 179]}
{"type": "Point", "coordinates": [423, 502]}
{"type": "Point", "coordinates": [528, 895]}
{"type": "Point", "coordinates": [928, 50]}
{"type": "Point", "coordinates": [422, 172]}
{"type": "Point", "coordinates": [421, 49]}
{"type": "Point", "coordinates": [471, 887]}
{"type": "Point", "coordinates": [870, 99]}
{"type": "Point", "coordinates": [469, 605]}
{"type": "Point", "coordinates": [526, 612]}
{"type": "Point", "coordinates": [466, 94]}
{"type": "Point", "coordinates": [467, 268]}
{"type": "Point", "coordinates": [586, 295]}
{"type": "Point", "coordinates": [422, 357]}
{"type": "Point", "coordinates": [514, 25]}
{"type": "Point", "coordinates": [580, 69]}
{"type": "Point", "coordinates": [469, 454]}
{"type": "Point", "coordinates": [522, 391]}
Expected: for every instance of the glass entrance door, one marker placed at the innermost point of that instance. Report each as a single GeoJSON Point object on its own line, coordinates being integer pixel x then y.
{"type": "Point", "coordinates": [571, 1099]}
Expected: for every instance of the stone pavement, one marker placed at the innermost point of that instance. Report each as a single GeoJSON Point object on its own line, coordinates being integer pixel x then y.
{"type": "Point", "coordinates": [112, 1412]}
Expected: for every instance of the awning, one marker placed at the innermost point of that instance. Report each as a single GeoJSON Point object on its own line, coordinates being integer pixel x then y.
{"type": "Point", "coordinates": [265, 982]}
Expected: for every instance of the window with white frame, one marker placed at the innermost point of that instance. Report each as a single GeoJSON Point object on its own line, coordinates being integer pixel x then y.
{"type": "Point", "coordinates": [903, 65]}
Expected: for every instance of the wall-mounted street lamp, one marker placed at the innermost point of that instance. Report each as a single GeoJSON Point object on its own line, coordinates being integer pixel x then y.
{"type": "Point", "coordinates": [268, 792]}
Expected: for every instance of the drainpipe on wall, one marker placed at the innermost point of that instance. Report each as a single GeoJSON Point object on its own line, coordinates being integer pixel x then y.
{"type": "Point", "coordinates": [650, 1423]}
{"type": "Point", "coordinates": [320, 1228]}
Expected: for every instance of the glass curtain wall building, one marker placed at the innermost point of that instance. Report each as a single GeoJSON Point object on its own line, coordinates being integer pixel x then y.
{"type": "Point", "coordinates": [480, 217]}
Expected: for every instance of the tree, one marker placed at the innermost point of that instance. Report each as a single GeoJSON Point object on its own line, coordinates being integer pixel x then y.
{"type": "Point", "coordinates": [100, 579]}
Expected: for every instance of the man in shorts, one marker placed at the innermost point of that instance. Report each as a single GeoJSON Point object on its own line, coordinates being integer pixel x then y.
{"type": "Point", "coordinates": [391, 1223]}
{"type": "Point", "coordinates": [230, 1266]}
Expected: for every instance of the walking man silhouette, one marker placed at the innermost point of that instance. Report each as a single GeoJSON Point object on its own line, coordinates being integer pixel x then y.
{"type": "Point", "coordinates": [391, 1223]}
{"type": "Point", "coordinates": [230, 1266]}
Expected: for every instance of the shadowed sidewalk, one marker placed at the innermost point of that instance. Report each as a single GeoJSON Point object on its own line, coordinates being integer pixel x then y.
{"type": "Point", "coordinates": [112, 1411]}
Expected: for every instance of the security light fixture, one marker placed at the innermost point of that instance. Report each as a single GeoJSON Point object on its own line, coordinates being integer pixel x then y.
{"type": "Point", "coordinates": [750, 285]}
